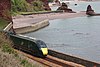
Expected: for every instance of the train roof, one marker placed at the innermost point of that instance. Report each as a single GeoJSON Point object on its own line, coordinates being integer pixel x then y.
{"type": "Point", "coordinates": [25, 37]}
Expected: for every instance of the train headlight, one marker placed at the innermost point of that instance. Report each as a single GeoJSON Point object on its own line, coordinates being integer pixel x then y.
{"type": "Point", "coordinates": [44, 51]}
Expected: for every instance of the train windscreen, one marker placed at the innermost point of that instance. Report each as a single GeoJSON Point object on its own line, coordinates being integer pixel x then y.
{"type": "Point", "coordinates": [41, 44]}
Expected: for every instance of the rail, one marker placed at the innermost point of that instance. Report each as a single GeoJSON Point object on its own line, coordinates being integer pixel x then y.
{"type": "Point", "coordinates": [74, 59]}
{"type": "Point", "coordinates": [51, 61]}
{"type": "Point", "coordinates": [65, 57]}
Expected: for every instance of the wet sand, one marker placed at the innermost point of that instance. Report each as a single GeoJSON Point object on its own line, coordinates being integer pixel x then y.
{"type": "Point", "coordinates": [23, 21]}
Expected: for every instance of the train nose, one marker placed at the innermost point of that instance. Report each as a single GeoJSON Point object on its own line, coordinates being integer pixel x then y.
{"type": "Point", "coordinates": [44, 51]}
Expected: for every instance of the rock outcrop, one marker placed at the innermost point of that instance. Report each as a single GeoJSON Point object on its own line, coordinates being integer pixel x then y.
{"type": "Point", "coordinates": [65, 8]}
{"type": "Point", "coordinates": [57, 2]}
{"type": "Point", "coordinates": [5, 12]}
{"type": "Point", "coordinates": [5, 8]}
{"type": "Point", "coordinates": [89, 10]}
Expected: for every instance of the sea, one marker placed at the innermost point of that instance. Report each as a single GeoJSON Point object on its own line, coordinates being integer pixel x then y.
{"type": "Point", "coordinates": [78, 36]}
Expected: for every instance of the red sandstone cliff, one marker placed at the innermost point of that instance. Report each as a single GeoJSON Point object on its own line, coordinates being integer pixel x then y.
{"type": "Point", "coordinates": [5, 7]}
{"type": "Point", "coordinates": [5, 11]}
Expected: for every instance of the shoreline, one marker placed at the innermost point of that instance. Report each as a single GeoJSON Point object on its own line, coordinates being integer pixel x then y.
{"type": "Point", "coordinates": [29, 23]}
{"type": "Point", "coordinates": [24, 21]}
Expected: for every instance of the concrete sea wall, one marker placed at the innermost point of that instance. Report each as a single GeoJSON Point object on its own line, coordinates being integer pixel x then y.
{"type": "Point", "coordinates": [33, 27]}
{"type": "Point", "coordinates": [74, 59]}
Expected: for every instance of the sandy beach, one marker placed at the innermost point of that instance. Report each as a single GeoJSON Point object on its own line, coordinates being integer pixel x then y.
{"type": "Point", "coordinates": [23, 21]}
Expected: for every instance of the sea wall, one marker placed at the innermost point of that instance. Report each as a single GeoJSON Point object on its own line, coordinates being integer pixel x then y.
{"type": "Point", "coordinates": [33, 27]}
{"type": "Point", "coordinates": [74, 59]}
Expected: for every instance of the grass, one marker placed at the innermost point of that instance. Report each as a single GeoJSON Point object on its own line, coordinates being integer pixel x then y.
{"type": "Point", "coordinates": [5, 43]}
{"type": "Point", "coordinates": [37, 12]}
{"type": "Point", "coordinates": [7, 53]}
{"type": "Point", "coordinates": [10, 58]}
{"type": "Point", "coordinates": [3, 24]}
{"type": "Point", "coordinates": [7, 48]}
{"type": "Point", "coordinates": [25, 63]}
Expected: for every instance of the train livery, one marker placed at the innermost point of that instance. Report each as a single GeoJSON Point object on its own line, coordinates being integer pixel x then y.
{"type": "Point", "coordinates": [29, 45]}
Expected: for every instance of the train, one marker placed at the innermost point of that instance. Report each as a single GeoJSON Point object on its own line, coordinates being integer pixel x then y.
{"type": "Point", "coordinates": [30, 45]}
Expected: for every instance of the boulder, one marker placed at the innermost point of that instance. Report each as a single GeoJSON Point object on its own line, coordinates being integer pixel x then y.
{"type": "Point", "coordinates": [57, 2]}
{"type": "Point", "coordinates": [65, 8]}
{"type": "Point", "coordinates": [89, 10]}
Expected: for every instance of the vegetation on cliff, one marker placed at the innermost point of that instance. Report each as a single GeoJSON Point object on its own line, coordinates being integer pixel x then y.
{"type": "Point", "coordinates": [37, 5]}
{"type": "Point", "coordinates": [20, 5]}
{"type": "Point", "coordinates": [9, 57]}
{"type": "Point", "coordinates": [24, 6]}
{"type": "Point", "coordinates": [3, 23]}
{"type": "Point", "coordinates": [50, 0]}
{"type": "Point", "coordinates": [6, 52]}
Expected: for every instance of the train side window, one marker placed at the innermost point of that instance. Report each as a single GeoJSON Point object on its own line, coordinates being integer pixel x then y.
{"type": "Point", "coordinates": [31, 45]}
{"type": "Point", "coordinates": [25, 43]}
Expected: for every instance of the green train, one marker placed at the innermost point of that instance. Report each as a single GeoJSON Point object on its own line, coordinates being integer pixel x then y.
{"type": "Point", "coordinates": [30, 45]}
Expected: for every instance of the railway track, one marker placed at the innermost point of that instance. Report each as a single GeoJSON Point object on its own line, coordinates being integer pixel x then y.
{"type": "Point", "coordinates": [51, 61]}
{"type": "Point", "coordinates": [62, 63]}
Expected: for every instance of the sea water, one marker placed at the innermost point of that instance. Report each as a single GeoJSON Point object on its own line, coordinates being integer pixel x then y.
{"type": "Point", "coordinates": [81, 6]}
{"type": "Point", "coordinates": [78, 36]}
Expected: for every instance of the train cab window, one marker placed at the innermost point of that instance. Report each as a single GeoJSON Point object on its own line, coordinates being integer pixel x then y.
{"type": "Point", "coordinates": [41, 43]}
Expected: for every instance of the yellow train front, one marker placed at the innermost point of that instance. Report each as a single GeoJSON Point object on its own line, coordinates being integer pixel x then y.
{"type": "Point", "coordinates": [29, 45]}
{"type": "Point", "coordinates": [42, 48]}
